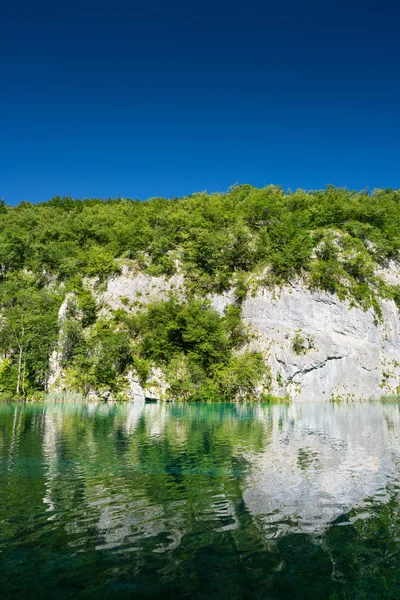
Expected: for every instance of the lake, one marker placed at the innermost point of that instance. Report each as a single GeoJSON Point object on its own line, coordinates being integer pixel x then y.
{"type": "Point", "coordinates": [154, 500]}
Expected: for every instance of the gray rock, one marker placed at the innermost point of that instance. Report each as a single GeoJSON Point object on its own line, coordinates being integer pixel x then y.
{"type": "Point", "coordinates": [352, 354]}
{"type": "Point", "coordinates": [346, 353]}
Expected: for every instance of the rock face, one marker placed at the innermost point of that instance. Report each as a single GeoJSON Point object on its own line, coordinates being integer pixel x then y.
{"type": "Point", "coordinates": [132, 287]}
{"type": "Point", "coordinates": [347, 353]}
{"type": "Point", "coordinates": [318, 347]}
{"type": "Point", "coordinates": [55, 382]}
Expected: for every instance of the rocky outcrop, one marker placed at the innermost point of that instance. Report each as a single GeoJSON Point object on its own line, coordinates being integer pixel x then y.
{"type": "Point", "coordinates": [56, 378]}
{"type": "Point", "coordinates": [352, 354]}
{"type": "Point", "coordinates": [318, 347]}
{"type": "Point", "coordinates": [133, 288]}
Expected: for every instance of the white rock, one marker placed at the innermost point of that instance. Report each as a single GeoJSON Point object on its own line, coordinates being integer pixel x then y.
{"type": "Point", "coordinates": [352, 355]}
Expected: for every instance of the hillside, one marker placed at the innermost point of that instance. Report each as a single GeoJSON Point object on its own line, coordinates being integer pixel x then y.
{"type": "Point", "coordinates": [250, 293]}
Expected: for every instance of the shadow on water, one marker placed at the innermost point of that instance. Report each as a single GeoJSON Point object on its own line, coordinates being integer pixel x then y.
{"type": "Point", "coordinates": [200, 501]}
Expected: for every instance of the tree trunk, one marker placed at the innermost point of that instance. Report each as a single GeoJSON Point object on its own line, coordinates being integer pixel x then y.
{"type": "Point", "coordinates": [20, 346]}
{"type": "Point", "coordinates": [19, 369]}
{"type": "Point", "coordinates": [23, 375]}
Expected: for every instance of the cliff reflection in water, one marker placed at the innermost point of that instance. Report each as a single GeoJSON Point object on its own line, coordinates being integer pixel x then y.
{"type": "Point", "coordinates": [191, 500]}
{"type": "Point", "coordinates": [323, 460]}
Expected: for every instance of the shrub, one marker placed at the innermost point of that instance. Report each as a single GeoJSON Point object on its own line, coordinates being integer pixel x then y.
{"type": "Point", "coordinates": [302, 343]}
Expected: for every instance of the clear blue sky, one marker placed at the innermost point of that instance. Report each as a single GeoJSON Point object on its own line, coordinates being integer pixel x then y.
{"type": "Point", "coordinates": [149, 97]}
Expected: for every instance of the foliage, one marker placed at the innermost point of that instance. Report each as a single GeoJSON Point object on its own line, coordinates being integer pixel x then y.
{"type": "Point", "coordinates": [97, 358]}
{"type": "Point", "coordinates": [198, 349]}
{"type": "Point", "coordinates": [28, 333]}
{"type": "Point", "coordinates": [301, 343]}
{"type": "Point", "coordinates": [333, 239]}
{"type": "Point", "coordinates": [215, 237]}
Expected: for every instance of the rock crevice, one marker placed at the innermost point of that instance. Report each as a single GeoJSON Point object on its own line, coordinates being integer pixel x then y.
{"type": "Point", "coordinates": [313, 367]}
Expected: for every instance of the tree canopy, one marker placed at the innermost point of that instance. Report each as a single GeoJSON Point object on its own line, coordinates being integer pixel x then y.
{"type": "Point", "coordinates": [333, 239]}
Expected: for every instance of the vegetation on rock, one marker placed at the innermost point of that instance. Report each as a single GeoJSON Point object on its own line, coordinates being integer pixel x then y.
{"type": "Point", "coordinates": [333, 239]}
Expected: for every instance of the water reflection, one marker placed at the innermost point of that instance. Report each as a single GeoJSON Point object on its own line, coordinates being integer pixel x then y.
{"type": "Point", "coordinates": [199, 501]}
{"type": "Point", "coordinates": [323, 460]}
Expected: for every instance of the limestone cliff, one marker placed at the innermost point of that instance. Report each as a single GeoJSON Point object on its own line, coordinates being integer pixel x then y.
{"type": "Point", "coordinates": [317, 346]}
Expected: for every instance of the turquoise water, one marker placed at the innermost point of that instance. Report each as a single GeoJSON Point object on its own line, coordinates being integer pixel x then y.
{"type": "Point", "coordinates": [200, 501]}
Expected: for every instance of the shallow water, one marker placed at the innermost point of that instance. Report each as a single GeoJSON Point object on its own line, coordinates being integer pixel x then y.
{"type": "Point", "coordinates": [223, 501]}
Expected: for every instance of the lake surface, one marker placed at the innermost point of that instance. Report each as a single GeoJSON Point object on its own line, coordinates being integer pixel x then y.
{"type": "Point", "coordinates": [295, 502]}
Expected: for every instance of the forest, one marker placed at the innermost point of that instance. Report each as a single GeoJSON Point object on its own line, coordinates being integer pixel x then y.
{"type": "Point", "coordinates": [333, 239]}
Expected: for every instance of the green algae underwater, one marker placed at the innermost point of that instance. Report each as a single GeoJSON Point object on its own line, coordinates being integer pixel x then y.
{"type": "Point", "coordinates": [200, 501]}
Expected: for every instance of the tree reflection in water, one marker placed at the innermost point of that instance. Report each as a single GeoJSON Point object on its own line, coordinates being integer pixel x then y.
{"type": "Point", "coordinates": [199, 501]}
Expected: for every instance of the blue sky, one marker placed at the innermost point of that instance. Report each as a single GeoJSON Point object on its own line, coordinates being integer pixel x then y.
{"type": "Point", "coordinates": [147, 98]}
